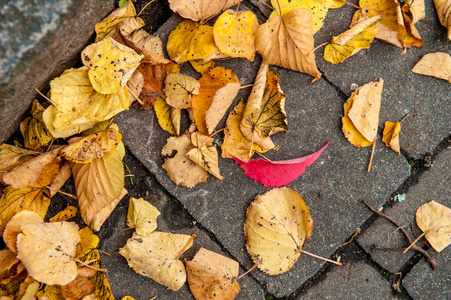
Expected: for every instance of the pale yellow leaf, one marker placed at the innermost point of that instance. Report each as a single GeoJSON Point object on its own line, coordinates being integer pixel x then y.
{"type": "Point", "coordinates": [179, 88]}
{"type": "Point", "coordinates": [142, 216]}
{"type": "Point", "coordinates": [14, 227]}
{"type": "Point", "coordinates": [200, 10]}
{"type": "Point", "coordinates": [434, 219]}
{"type": "Point", "coordinates": [436, 64]}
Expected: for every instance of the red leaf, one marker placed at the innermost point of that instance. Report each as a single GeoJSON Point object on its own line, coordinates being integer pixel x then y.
{"type": "Point", "coordinates": [277, 173]}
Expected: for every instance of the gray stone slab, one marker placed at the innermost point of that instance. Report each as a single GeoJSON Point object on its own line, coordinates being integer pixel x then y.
{"type": "Point", "coordinates": [434, 184]}
{"type": "Point", "coordinates": [352, 281]}
{"type": "Point", "coordinates": [124, 281]}
{"type": "Point", "coordinates": [425, 98]}
{"type": "Point", "coordinates": [332, 187]}
{"type": "Point", "coordinates": [38, 41]}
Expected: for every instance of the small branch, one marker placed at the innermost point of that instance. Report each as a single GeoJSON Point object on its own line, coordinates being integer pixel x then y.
{"type": "Point", "coordinates": [322, 258]}
{"type": "Point", "coordinates": [371, 158]}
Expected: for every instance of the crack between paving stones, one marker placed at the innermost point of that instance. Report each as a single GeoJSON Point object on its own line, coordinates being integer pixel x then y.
{"type": "Point", "coordinates": [340, 93]}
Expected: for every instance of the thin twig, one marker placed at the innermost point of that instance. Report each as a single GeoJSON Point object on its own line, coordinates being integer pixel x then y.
{"type": "Point", "coordinates": [352, 237]}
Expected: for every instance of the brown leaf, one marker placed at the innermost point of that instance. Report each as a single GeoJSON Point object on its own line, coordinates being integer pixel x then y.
{"type": "Point", "coordinates": [78, 288]}
{"type": "Point", "coordinates": [8, 263]}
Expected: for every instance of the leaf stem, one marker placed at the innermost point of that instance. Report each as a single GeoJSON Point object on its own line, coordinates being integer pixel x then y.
{"type": "Point", "coordinates": [61, 192]}
{"type": "Point", "coordinates": [45, 97]}
{"type": "Point", "coordinates": [186, 246]}
{"type": "Point", "coordinates": [404, 118]}
{"type": "Point", "coordinates": [350, 4]}
{"type": "Point", "coordinates": [88, 266]}
{"type": "Point", "coordinates": [216, 132]}
{"type": "Point", "coordinates": [322, 258]}
{"type": "Point", "coordinates": [245, 273]}
{"type": "Point", "coordinates": [144, 8]}
{"type": "Point", "coordinates": [136, 97]}
{"type": "Point", "coordinates": [413, 243]}
{"type": "Point", "coordinates": [372, 155]}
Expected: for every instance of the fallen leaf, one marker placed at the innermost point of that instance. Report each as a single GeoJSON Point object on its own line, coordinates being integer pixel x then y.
{"type": "Point", "coordinates": [287, 41]}
{"type": "Point", "coordinates": [164, 115]}
{"type": "Point", "coordinates": [88, 242]}
{"type": "Point", "coordinates": [50, 292]}
{"type": "Point", "coordinates": [28, 289]}
{"type": "Point", "coordinates": [434, 219]}
{"type": "Point", "coordinates": [157, 256]}
{"type": "Point", "coordinates": [103, 288]}
{"type": "Point", "coordinates": [202, 66]}
{"type": "Point", "coordinates": [176, 119]}
{"type": "Point", "coordinates": [205, 154]}
{"type": "Point", "coordinates": [179, 89]}
{"type": "Point", "coordinates": [361, 114]}
{"type": "Point", "coordinates": [14, 227]}
{"type": "Point", "coordinates": [212, 276]}
{"type": "Point", "coordinates": [112, 20]}
{"type": "Point", "coordinates": [33, 129]}
{"type": "Point", "coordinates": [358, 37]}
{"type": "Point", "coordinates": [8, 262]}
{"type": "Point", "coordinates": [47, 251]}
{"type": "Point", "coordinates": [182, 170]}
{"type": "Point", "coordinates": [142, 216]}
{"type": "Point", "coordinates": [191, 41]}
{"type": "Point", "coordinates": [11, 156]}
{"type": "Point", "coordinates": [64, 173]}
{"type": "Point", "coordinates": [277, 226]}
{"type": "Point", "coordinates": [277, 173]}
{"type": "Point", "coordinates": [434, 64]}
{"type": "Point", "coordinates": [391, 135]}
{"type": "Point", "coordinates": [64, 215]}
{"type": "Point", "coordinates": [210, 83]}
{"type": "Point", "coordinates": [234, 33]}
{"type": "Point", "coordinates": [200, 10]}
{"type": "Point", "coordinates": [444, 14]}
{"type": "Point", "coordinates": [264, 114]}
{"type": "Point", "coordinates": [135, 85]}
{"type": "Point", "coordinates": [110, 65]}
{"type": "Point", "coordinates": [78, 288]}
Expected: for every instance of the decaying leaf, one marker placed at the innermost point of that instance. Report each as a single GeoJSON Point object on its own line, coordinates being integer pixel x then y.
{"type": "Point", "coordinates": [164, 115]}
{"type": "Point", "coordinates": [64, 215]}
{"type": "Point", "coordinates": [110, 65]}
{"type": "Point", "coordinates": [189, 41]}
{"type": "Point", "coordinates": [157, 256]}
{"type": "Point", "coordinates": [210, 83]}
{"type": "Point", "coordinates": [103, 288]}
{"type": "Point", "coordinates": [287, 41]}
{"type": "Point", "coordinates": [182, 170]}
{"type": "Point", "coordinates": [179, 89]}
{"type": "Point", "coordinates": [277, 226]}
{"type": "Point", "coordinates": [434, 219]}
{"type": "Point", "coordinates": [78, 288]}
{"type": "Point", "coordinates": [14, 227]}
{"type": "Point", "coordinates": [264, 114]}
{"type": "Point", "coordinates": [50, 292]}
{"type": "Point", "coordinates": [391, 135]}
{"type": "Point", "coordinates": [47, 251]}
{"type": "Point", "coordinates": [112, 20]}
{"type": "Point", "coordinates": [33, 129]}
{"type": "Point", "coordinates": [435, 64]}
{"type": "Point", "coordinates": [64, 173]}
{"type": "Point", "coordinates": [204, 154]}
{"type": "Point", "coordinates": [212, 276]}
{"type": "Point", "coordinates": [361, 114]}
{"type": "Point", "coordinates": [234, 33]}
{"type": "Point", "coordinates": [200, 10]}
{"type": "Point", "coordinates": [358, 37]}
{"type": "Point", "coordinates": [142, 216]}
{"type": "Point", "coordinates": [202, 66]}
{"type": "Point", "coordinates": [277, 173]}
{"type": "Point", "coordinates": [8, 261]}
{"type": "Point", "coordinates": [444, 14]}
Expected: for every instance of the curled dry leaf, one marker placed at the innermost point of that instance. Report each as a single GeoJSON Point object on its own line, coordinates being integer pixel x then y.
{"type": "Point", "coordinates": [112, 20]}
{"type": "Point", "coordinates": [142, 216]}
{"type": "Point", "coordinates": [64, 215]}
{"type": "Point", "coordinates": [361, 114]}
{"type": "Point", "coordinates": [277, 226]}
{"type": "Point", "coordinates": [33, 129]}
{"type": "Point", "coordinates": [264, 114]}
{"type": "Point", "coordinates": [444, 14]}
{"type": "Point", "coordinates": [358, 37]}
{"type": "Point", "coordinates": [212, 276]}
{"type": "Point", "coordinates": [391, 135]}
{"type": "Point", "coordinates": [157, 256]}
{"type": "Point", "coordinates": [110, 65]}
{"type": "Point", "coordinates": [47, 251]}
{"type": "Point", "coordinates": [204, 154]}
{"type": "Point", "coordinates": [434, 219]}
{"type": "Point", "coordinates": [14, 227]}
{"type": "Point", "coordinates": [435, 64]}
{"type": "Point", "coordinates": [179, 89]}
{"type": "Point", "coordinates": [234, 33]}
{"type": "Point", "coordinates": [200, 10]}
{"type": "Point", "coordinates": [164, 115]}
{"type": "Point", "coordinates": [182, 170]}
{"type": "Point", "coordinates": [64, 173]}
{"type": "Point", "coordinates": [295, 29]}
{"type": "Point", "coordinates": [78, 288]}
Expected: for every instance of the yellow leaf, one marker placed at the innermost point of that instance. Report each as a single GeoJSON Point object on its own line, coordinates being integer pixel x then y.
{"type": "Point", "coordinates": [91, 147]}
{"type": "Point", "coordinates": [189, 41]}
{"type": "Point", "coordinates": [202, 66]}
{"type": "Point", "coordinates": [221, 101]}
{"type": "Point", "coordinates": [361, 114]}
{"type": "Point", "coordinates": [210, 83]}
{"type": "Point", "coordinates": [88, 242]}
{"type": "Point", "coordinates": [234, 142]}
{"type": "Point", "coordinates": [128, 298]}
{"type": "Point", "coordinates": [444, 14]}
{"type": "Point", "coordinates": [234, 33]}
{"type": "Point", "coordinates": [102, 285]}
{"type": "Point", "coordinates": [180, 168]}
{"type": "Point", "coordinates": [200, 10]}
{"type": "Point", "coordinates": [277, 226]}
{"type": "Point", "coordinates": [50, 292]}
{"type": "Point", "coordinates": [33, 129]}
{"type": "Point", "coordinates": [64, 215]}
{"type": "Point", "coordinates": [157, 256]}
{"type": "Point", "coordinates": [391, 135]}
{"type": "Point", "coordinates": [14, 201]}
{"type": "Point", "coordinates": [351, 41]}
{"type": "Point", "coordinates": [11, 156]}
{"type": "Point", "coordinates": [176, 117]}
{"type": "Point", "coordinates": [28, 289]}
{"type": "Point", "coordinates": [110, 65]}
{"type": "Point", "coordinates": [64, 173]}
{"type": "Point", "coordinates": [112, 20]}
{"type": "Point", "coordinates": [206, 155]}
{"type": "Point", "coordinates": [179, 89]}
{"type": "Point", "coordinates": [14, 227]}
{"type": "Point", "coordinates": [212, 276]}
{"type": "Point", "coordinates": [264, 114]}
{"type": "Point", "coordinates": [163, 112]}
{"type": "Point", "coordinates": [47, 251]}
{"type": "Point", "coordinates": [295, 29]}
{"type": "Point", "coordinates": [434, 219]}
{"type": "Point", "coordinates": [435, 64]}
{"type": "Point", "coordinates": [142, 216]}
{"type": "Point", "coordinates": [319, 9]}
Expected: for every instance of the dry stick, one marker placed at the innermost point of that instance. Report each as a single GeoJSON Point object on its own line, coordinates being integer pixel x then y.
{"type": "Point", "coordinates": [245, 273]}
{"type": "Point", "coordinates": [372, 154]}
{"type": "Point", "coordinates": [413, 243]}
{"type": "Point", "coordinates": [352, 237]}
{"type": "Point", "coordinates": [144, 7]}
{"type": "Point", "coordinates": [47, 98]}
{"type": "Point", "coordinates": [414, 247]}
{"type": "Point", "coordinates": [319, 257]}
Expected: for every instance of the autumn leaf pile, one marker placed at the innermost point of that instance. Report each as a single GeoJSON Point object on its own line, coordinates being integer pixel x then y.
{"type": "Point", "coordinates": [74, 134]}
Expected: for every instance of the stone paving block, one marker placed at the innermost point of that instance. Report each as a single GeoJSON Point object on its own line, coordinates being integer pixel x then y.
{"type": "Point", "coordinates": [124, 281]}
{"type": "Point", "coordinates": [425, 98]}
{"type": "Point", "coordinates": [332, 187]}
{"type": "Point", "coordinates": [434, 184]}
